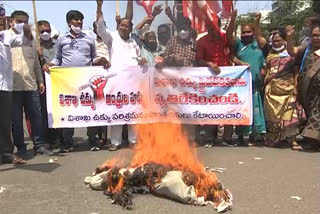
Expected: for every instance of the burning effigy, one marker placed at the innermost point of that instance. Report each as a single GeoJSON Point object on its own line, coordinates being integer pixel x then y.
{"type": "Point", "coordinates": [164, 164]}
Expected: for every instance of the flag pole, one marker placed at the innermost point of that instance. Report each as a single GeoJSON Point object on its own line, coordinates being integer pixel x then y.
{"type": "Point", "coordinates": [35, 21]}
{"type": "Point", "coordinates": [117, 9]}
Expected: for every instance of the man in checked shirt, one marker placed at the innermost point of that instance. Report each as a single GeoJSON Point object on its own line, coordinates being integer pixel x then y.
{"type": "Point", "coordinates": [181, 49]}
{"type": "Point", "coordinates": [181, 52]}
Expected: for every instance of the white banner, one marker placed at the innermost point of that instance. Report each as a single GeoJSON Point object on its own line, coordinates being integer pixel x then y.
{"type": "Point", "coordinates": [92, 96]}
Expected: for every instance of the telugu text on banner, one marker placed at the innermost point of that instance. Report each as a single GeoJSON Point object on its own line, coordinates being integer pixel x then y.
{"type": "Point", "coordinates": [93, 96]}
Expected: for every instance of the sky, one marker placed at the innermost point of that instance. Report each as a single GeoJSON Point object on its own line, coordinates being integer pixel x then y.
{"type": "Point", "coordinates": [55, 11]}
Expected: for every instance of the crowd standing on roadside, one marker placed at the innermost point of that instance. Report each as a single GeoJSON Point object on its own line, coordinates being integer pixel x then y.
{"type": "Point", "coordinates": [285, 78]}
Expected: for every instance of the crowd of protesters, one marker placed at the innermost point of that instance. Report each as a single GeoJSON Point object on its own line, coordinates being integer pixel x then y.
{"type": "Point", "coordinates": [285, 78]}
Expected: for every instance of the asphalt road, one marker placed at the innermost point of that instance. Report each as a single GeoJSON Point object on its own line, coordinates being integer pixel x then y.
{"type": "Point", "coordinates": [262, 186]}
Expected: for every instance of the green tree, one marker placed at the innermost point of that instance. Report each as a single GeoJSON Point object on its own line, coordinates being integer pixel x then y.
{"type": "Point", "coordinates": [292, 12]}
{"type": "Point", "coordinates": [316, 6]}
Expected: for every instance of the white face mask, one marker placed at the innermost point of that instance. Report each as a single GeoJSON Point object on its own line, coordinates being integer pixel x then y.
{"type": "Point", "coordinates": [279, 49]}
{"type": "Point", "coordinates": [75, 29]}
{"type": "Point", "coordinates": [18, 27]}
{"type": "Point", "coordinates": [45, 36]}
{"type": "Point", "coordinates": [183, 34]}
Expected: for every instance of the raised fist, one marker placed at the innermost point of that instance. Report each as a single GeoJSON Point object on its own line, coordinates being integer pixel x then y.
{"type": "Point", "coordinates": [97, 85]}
{"type": "Point", "coordinates": [257, 17]}
{"type": "Point", "coordinates": [168, 12]}
{"type": "Point", "coordinates": [99, 2]}
{"type": "Point", "coordinates": [157, 10]}
{"type": "Point", "coordinates": [234, 14]}
{"type": "Point", "coordinates": [289, 31]}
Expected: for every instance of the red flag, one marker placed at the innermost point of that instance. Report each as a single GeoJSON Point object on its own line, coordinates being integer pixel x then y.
{"type": "Point", "coordinates": [226, 9]}
{"type": "Point", "coordinates": [214, 5]}
{"type": "Point", "coordinates": [147, 5]}
{"type": "Point", "coordinates": [201, 12]}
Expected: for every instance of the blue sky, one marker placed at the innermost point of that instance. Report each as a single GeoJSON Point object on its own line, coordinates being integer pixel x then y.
{"type": "Point", "coordinates": [55, 11]}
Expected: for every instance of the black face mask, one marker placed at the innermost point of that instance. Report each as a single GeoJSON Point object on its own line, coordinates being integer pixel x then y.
{"type": "Point", "coordinates": [152, 45]}
{"type": "Point", "coordinates": [164, 37]}
{"type": "Point", "coordinates": [247, 39]}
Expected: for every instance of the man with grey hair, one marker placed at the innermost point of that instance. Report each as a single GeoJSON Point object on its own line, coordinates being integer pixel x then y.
{"type": "Point", "coordinates": [147, 40]}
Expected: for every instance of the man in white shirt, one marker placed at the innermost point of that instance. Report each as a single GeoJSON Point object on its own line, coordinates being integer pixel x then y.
{"type": "Point", "coordinates": [123, 51]}
{"type": "Point", "coordinates": [8, 40]}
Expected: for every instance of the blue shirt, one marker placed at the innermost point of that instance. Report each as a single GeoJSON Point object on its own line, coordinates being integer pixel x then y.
{"type": "Point", "coordinates": [75, 51]}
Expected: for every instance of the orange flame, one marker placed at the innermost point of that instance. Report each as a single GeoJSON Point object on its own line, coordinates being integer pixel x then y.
{"type": "Point", "coordinates": [167, 144]}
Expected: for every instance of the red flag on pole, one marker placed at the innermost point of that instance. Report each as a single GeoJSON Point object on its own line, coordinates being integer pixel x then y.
{"type": "Point", "coordinates": [226, 8]}
{"type": "Point", "coordinates": [201, 12]}
{"type": "Point", "coordinates": [147, 5]}
{"type": "Point", "coordinates": [214, 5]}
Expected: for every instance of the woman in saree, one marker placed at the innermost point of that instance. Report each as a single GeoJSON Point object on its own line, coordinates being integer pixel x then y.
{"type": "Point", "coordinates": [282, 111]}
{"type": "Point", "coordinates": [309, 82]}
{"type": "Point", "coordinates": [247, 52]}
{"type": "Point", "coordinates": [250, 50]}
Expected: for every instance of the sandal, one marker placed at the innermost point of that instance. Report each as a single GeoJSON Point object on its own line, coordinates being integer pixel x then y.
{"type": "Point", "coordinates": [208, 145]}
{"type": "Point", "coordinates": [10, 158]}
{"type": "Point", "coordinates": [113, 147]}
{"type": "Point", "coordinates": [296, 147]}
{"type": "Point", "coordinates": [252, 141]}
{"type": "Point", "coordinates": [19, 161]}
{"type": "Point", "coordinates": [251, 144]}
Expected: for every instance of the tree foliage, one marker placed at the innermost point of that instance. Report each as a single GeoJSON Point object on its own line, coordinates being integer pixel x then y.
{"type": "Point", "coordinates": [292, 12]}
{"type": "Point", "coordinates": [287, 12]}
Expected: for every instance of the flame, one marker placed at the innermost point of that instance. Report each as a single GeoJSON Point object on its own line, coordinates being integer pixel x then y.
{"type": "Point", "coordinates": [116, 187]}
{"type": "Point", "coordinates": [115, 162]}
{"type": "Point", "coordinates": [167, 144]}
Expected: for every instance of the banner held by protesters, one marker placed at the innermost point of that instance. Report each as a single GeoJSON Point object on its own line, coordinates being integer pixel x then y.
{"type": "Point", "coordinates": [95, 97]}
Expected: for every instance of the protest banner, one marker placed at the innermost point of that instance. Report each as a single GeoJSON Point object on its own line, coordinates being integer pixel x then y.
{"type": "Point", "coordinates": [93, 96]}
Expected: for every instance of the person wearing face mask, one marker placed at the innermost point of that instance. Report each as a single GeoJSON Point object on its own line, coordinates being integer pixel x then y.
{"type": "Point", "coordinates": [282, 111]}
{"type": "Point", "coordinates": [181, 52]}
{"type": "Point", "coordinates": [47, 48]}
{"type": "Point", "coordinates": [305, 33]}
{"type": "Point", "coordinates": [308, 58]}
{"type": "Point", "coordinates": [46, 53]}
{"type": "Point", "coordinates": [28, 84]}
{"type": "Point", "coordinates": [76, 49]}
{"type": "Point", "coordinates": [181, 49]}
{"type": "Point", "coordinates": [213, 51]}
{"type": "Point", "coordinates": [124, 52]}
{"type": "Point", "coordinates": [148, 44]}
{"type": "Point", "coordinates": [249, 51]}
{"type": "Point", "coordinates": [7, 41]}
{"type": "Point", "coordinates": [163, 35]}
